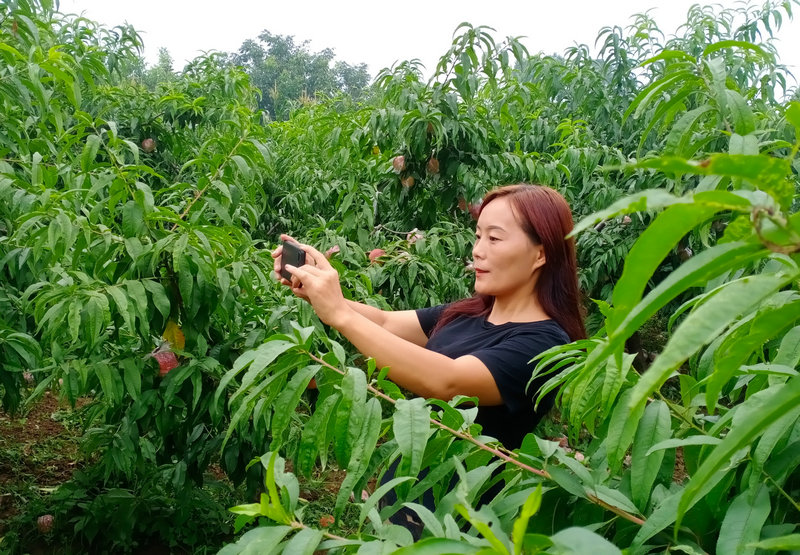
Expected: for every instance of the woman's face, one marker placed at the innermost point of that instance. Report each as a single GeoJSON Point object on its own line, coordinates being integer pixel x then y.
{"type": "Point", "coordinates": [505, 257]}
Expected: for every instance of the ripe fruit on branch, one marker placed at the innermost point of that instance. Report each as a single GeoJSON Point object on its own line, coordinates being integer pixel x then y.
{"type": "Point", "coordinates": [44, 523]}
{"type": "Point", "coordinates": [414, 235]}
{"type": "Point", "coordinates": [475, 209]}
{"type": "Point", "coordinates": [148, 145]}
{"type": "Point", "coordinates": [432, 166]}
{"type": "Point", "coordinates": [408, 181]}
{"type": "Point", "coordinates": [166, 361]}
{"type": "Point", "coordinates": [375, 254]}
{"type": "Point", "coordinates": [399, 164]}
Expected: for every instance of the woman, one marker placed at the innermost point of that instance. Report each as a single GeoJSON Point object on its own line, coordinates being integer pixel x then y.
{"type": "Point", "coordinates": [526, 301]}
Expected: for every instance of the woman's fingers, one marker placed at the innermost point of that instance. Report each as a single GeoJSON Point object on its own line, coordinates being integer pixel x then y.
{"type": "Point", "coordinates": [319, 259]}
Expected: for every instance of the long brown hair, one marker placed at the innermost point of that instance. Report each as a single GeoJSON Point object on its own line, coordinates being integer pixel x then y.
{"type": "Point", "coordinates": [546, 217]}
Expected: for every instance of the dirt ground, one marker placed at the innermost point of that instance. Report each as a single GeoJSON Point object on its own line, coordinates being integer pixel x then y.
{"type": "Point", "coordinates": [37, 453]}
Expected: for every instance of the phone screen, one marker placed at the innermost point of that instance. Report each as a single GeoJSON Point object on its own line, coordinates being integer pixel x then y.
{"type": "Point", "coordinates": [292, 254]}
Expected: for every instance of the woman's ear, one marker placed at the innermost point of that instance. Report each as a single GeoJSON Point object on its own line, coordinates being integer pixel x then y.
{"type": "Point", "coordinates": [540, 259]}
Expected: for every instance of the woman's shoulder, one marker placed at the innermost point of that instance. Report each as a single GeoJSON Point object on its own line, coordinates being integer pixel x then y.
{"type": "Point", "coordinates": [545, 329]}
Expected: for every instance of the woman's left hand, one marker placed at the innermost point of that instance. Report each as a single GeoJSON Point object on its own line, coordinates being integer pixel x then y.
{"type": "Point", "coordinates": [319, 284]}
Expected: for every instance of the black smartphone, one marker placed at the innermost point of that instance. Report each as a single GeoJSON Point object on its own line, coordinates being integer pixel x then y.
{"type": "Point", "coordinates": [292, 254]}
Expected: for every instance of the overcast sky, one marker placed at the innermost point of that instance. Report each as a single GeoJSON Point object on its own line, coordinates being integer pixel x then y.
{"type": "Point", "coordinates": [381, 33]}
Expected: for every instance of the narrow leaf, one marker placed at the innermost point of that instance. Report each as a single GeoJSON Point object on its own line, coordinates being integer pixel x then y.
{"type": "Point", "coordinates": [743, 521]}
{"type": "Point", "coordinates": [654, 427]}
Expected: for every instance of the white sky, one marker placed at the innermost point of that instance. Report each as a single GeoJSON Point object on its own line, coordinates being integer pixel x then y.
{"type": "Point", "coordinates": [381, 33]}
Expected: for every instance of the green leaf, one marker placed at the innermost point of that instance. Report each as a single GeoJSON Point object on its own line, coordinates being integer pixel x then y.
{"type": "Point", "coordinates": [89, 152]}
{"type": "Point", "coordinates": [650, 199]}
{"type": "Point", "coordinates": [581, 540]}
{"type": "Point", "coordinates": [529, 509]}
{"type": "Point", "coordinates": [717, 46]}
{"type": "Point", "coordinates": [159, 295]}
{"type": "Point", "coordinates": [362, 450]}
{"type": "Point", "coordinates": [683, 442]}
{"type": "Point", "coordinates": [111, 383]}
{"type": "Point", "coordinates": [286, 403]}
{"type": "Point", "coordinates": [769, 408]}
{"type": "Point", "coordinates": [654, 427]}
{"type": "Point", "coordinates": [378, 494]}
{"type": "Point", "coordinates": [743, 521]}
{"type": "Point", "coordinates": [667, 54]}
{"type": "Point", "coordinates": [789, 350]}
{"type": "Point", "coordinates": [613, 497]}
{"type": "Point", "coordinates": [770, 322]}
{"type": "Point", "coordinates": [74, 319]}
{"type": "Point", "coordinates": [649, 251]}
{"type": "Point", "coordinates": [137, 294]}
{"type": "Point", "coordinates": [350, 414]}
{"type": "Point", "coordinates": [132, 219]}
{"type": "Point", "coordinates": [305, 542]}
{"type": "Point", "coordinates": [783, 543]}
{"type": "Point", "coordinates": [121, 300]}
{"type": "Point", "coordinates": [437, 546]}
{"type": "Point", "coordinates": [132, 376]}
{"type": "Point", "coordinates": [313, 439]}
{"type": "Point", "coordinates": [660, 518]}
{"type": "Point", "coordinates": [793, 116]}
{"type": "Point", "coordinates": [705, 323]}
{"type": "Point", "coordinates": [257, 360]}
{"type": "Point", "coordinates": [411, 425]}
{"type": "Point", "coordinates": [566, 481]}
{"type": "Point", "coordinates": [697, 271]}
{"type": "Point", "coordinates": [622, 428]}
{"type": "Point", "coordinates": [682, 130]}
{"type": "Point", "coordinates": [260, 540]}
{"type": "Point", "coordinates": [476, 518]}
{"type": "Point", "coordinates": [744, 122]}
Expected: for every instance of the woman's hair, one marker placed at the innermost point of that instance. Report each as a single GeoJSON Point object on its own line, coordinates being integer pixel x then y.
{"type": "Point", "coordinates": [546, 217]}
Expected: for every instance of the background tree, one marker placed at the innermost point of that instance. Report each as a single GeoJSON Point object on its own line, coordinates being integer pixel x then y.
{"type": "Point", "coordinates": [287, 72]}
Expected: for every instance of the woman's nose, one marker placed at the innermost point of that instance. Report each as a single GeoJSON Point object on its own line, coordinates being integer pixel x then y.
{"type": "Point", "coordinates": [476, 249]}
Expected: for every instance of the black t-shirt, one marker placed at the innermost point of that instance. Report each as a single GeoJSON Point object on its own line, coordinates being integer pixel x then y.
{"type": "Point", "coordinates": [505, 349]}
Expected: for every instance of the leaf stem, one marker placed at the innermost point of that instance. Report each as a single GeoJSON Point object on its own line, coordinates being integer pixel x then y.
{"type": "Point", "coordinates": [496, 452]}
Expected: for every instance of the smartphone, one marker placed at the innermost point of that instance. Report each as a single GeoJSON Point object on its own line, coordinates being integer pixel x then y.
{"type": "Point", "coordinates": [292, 254]}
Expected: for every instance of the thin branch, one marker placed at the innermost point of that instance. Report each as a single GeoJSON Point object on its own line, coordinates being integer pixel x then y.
{"type": "Point", "coordinates": [496, 452]}
{"type": "Point", "coordinates": [200, 193]}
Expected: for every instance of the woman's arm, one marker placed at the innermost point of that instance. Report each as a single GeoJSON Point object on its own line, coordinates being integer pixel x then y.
{"type": "Point", "coordinates": [402, 323]}
{"type": "Point", "coordinates": [419, 370]}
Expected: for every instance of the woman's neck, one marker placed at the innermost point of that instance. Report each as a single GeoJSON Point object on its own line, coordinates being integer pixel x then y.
{"type": "Point", "coordinates": [522, 307]}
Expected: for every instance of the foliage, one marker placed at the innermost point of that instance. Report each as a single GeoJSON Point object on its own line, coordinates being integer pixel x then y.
{"type": "Point", "coordinates": [136, 221]}
{"type": "Point", "coordinates": [287, 73]}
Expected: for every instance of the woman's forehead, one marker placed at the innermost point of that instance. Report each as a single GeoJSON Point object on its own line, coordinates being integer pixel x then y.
{"type": "Point", "coordinates": [499, 213]}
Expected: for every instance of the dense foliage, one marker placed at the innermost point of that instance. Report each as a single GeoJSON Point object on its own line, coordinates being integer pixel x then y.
{"type": "Point", "coordinates": [135, 229]}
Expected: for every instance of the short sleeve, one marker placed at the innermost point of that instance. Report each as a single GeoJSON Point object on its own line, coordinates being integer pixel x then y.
{"type": "Point", "coordinates": [429, 316]}
{"type": "Point", "coordinates": [509, 365]}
